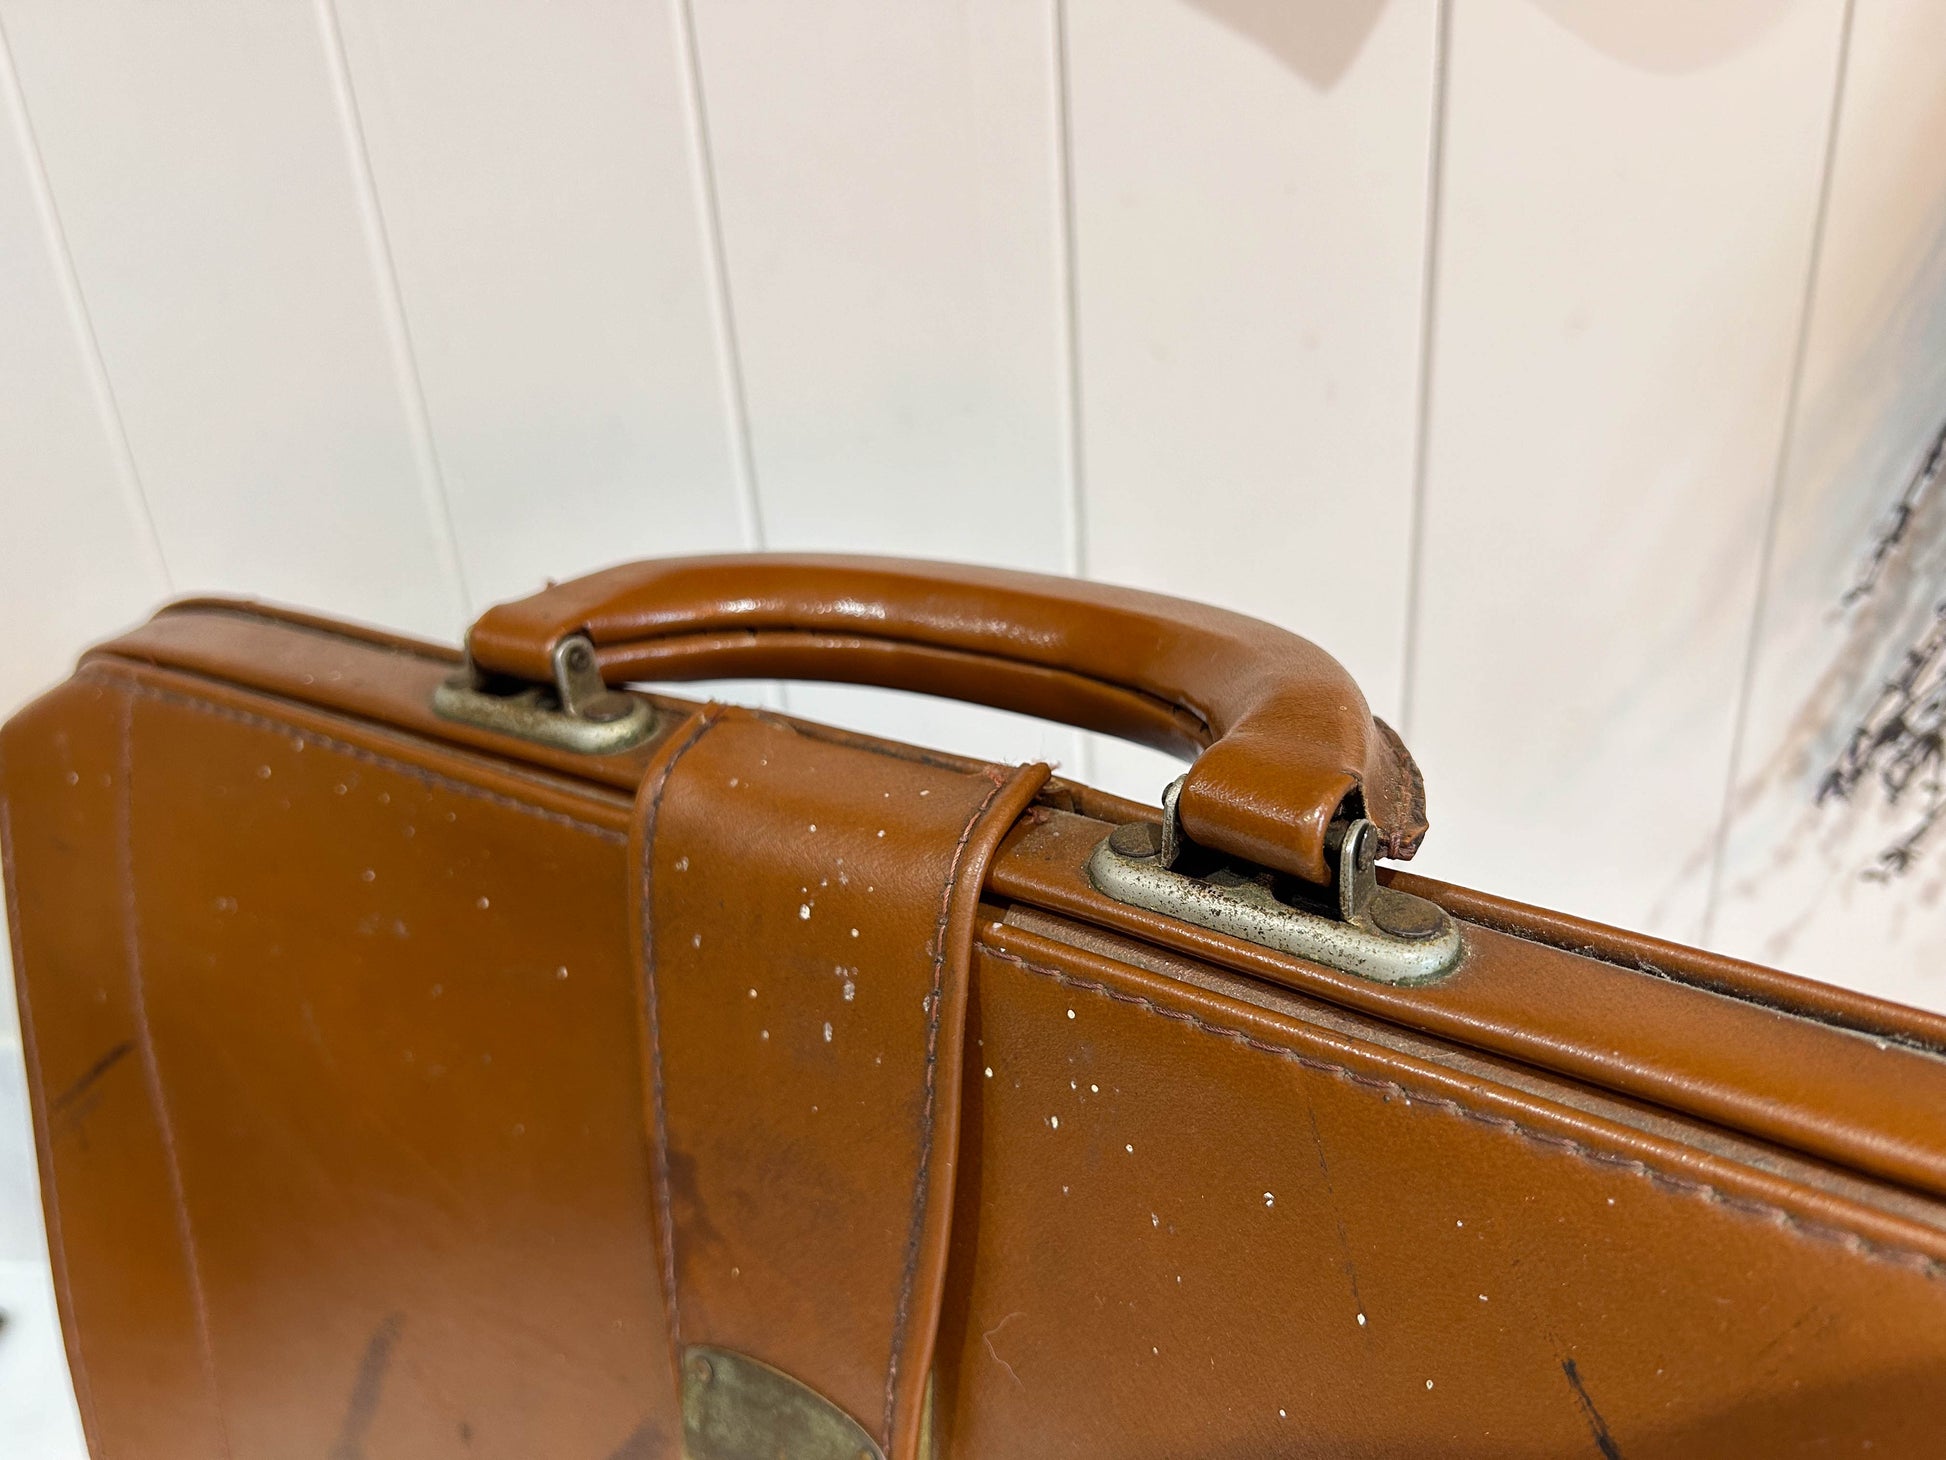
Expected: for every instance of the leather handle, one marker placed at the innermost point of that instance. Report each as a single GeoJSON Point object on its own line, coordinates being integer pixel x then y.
{"type": "Point", "coordinates": [1281, 736]}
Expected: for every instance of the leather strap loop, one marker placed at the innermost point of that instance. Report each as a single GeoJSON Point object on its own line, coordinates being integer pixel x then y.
{"type": "Point", "coordinates": [1285, 738]}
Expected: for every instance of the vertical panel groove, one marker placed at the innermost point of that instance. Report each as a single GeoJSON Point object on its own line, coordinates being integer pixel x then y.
{"type": "Point", "coordinates": [398, 332]}
{"type": "Point", "coordinates": [716, 268]}
{"type": "Point", "coordinates": [1428, 325]}
{"type": "Point", "coordinates": [1746, 686]}
{"type": "Point", "coordinates": [1065, 263]}
{"type": "Point", "coordinates": [127, 474]}
{"type": "Point", "coordinates": [1074, 462]}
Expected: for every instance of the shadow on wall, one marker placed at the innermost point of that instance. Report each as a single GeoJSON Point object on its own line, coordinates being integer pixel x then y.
{"type": "Point", "coordinates": [1320, 40]}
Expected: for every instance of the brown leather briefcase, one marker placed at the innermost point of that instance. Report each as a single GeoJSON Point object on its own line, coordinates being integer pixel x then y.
{"type": "Point", "coordinates": [465, 1057]}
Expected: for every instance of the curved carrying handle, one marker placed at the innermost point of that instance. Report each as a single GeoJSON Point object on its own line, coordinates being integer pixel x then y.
{"type": "Point", "coordinates": [1280, 734]}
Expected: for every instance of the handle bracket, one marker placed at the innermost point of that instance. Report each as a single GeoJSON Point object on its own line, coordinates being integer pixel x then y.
{"type": "Point", "coordinates": [578, 712]}
{"type": "Point", "coordinates": [1377, 933]}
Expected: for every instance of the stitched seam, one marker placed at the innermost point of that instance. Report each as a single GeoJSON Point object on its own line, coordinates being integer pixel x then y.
{"type": "Point", "coordinates": [151, 1070]}
{"type": "Point", "coordinates": [665, 1214]}
{"type": "Point", "coordinates": [916, 1231]}
{"type": "Point", "coordinates": [433, 780]}
{"type": "Point", "coordinates": [1925, 1264]}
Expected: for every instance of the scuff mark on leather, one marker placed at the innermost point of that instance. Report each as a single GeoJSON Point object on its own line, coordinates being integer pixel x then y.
{"type": "Point", "coordinates": [1331, 1200]}
{"type": "Point", "coordinates": [65, 1102]}
{"type": "Point", "coordinates": [1597, 1426]}
{"type": "Point", "coordinates": [362, 1408]}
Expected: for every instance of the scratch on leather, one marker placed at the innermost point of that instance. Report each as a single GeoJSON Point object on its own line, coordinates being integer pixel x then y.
{"type": "Point", "coordinates": [1922, 1263]}
{"type": "Point", "coordinates": [1597, 1426]}
{"type": "Point", "coordinates": [91, 1076]}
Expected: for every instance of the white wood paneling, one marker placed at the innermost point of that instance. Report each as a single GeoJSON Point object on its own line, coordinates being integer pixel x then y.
{"type": "Point", "coordinates": [216, 219]}
{"type": "Point", "coordinates": [889, 189]}
{"type": "Point", "coordinates": [1251, 190]}
{"type": "Point", "coordinates": [1629, 198]}
{"type": "Point", "coordinates": [538, 176]}
{"type": "Point", "coordinates": [77, 559]}
{"type": "Point", "coordinates": [1797, 885]}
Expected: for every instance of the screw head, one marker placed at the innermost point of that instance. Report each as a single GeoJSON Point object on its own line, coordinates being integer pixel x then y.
{"type": "Point", "coordinates": [1137, 840]}
{"type": "Point", "coordinates": [580, 656]}
{"type": "Point", "coordinates": [699, 1369]}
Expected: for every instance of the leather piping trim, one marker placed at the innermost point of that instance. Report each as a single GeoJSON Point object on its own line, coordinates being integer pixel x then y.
{"type": "Point", "coordinates": [952, 947]}
{"type": "Point", "coordinates": [131, 931]}
{"type": "Point", "coordinates": [1925, 1264]}
{"type": "Point", "coordinates": [641, 853]}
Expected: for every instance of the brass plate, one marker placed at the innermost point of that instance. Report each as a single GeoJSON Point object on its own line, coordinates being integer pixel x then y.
{"type": "Point", "coordinates": [737, 1408]}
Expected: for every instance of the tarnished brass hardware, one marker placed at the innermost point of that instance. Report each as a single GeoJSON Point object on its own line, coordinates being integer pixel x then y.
{"type": "Point", "coordinates": [735, 1407]}
{"type": "Point", "coordinates": [578, 712]}
{"type": "Point", "coordinates": [1377, 932]}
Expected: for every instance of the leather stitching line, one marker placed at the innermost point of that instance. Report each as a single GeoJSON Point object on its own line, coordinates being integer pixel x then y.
{"type": "Point", "coordinates": [916, 1232]}
{"type": "Point", "coordinates": [430, 779]}
{"type": "Point", "coordinates": [1923, 1263]}
{"type": "Point", "coordinates": [151, 1071]}
{"type": "Point", "coordinates": [665, 1214]}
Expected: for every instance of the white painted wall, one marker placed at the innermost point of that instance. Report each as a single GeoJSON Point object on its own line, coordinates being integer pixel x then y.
{"type": "Point", "coordinates": [1551, 362]}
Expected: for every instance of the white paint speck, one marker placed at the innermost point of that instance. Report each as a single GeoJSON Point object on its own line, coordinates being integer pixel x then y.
{"type": "Point", "coordinates": [1070, 1013]}
{"type": "Point", "coordinates": [695, 940]}
{"type": "Point", "coordinates": [925, 793]}
{"type": "Point", "coordinates": [682, 864]}
{"type": "Point", "coordinates": [1154, 1350]}
{"type": "Point", "coordinates": [989, 1072]}
{"type": "Point", "coordinates": [482, 904]}
{"type": "Point", "coordinates": [804, 910]}
{"type": "Point", "coordinates": [881, 832]}
{"type": "Point", "coordinates": [1361, 1320]}
{"type": "Point", "coordinates": [1094, 1089]}
{"type": "Point", "coordinates": [1269, 1199]}
{"type": "Point", "coordinates": [1282, 1415]}
{"type": "Point", "coordinates": [763, 1034]}
{"type": "Point", "coordinates": [851, 991]}
{"type": "Point", "coordinates": [1459, 1224]}
{"type": "Point", "coordinates": [1129, 1149]}
{"type": "Point", "coordinates": [814, 826]}
{"type": "Point", "coordinates": [1154, 1220]}
{"type": "Point", "coordinates": [827, 1031]}
{"type": "Point", "coordinates": [1611, 1201]}
{"type": "Point", "coordinates": [1429, 1383]}
{"type": "Point", "coordinates": [561, 972]}
{"type": "Point", "coordinates": [1064, 1191]}
{"type": "Point", "coordinates": [733, 780]}
{"type": "Point", "coordinates": [753, 993]}
{"type": "Point", "coordinates": [1483, 1297]}
{"type": "Point", "coordinates": [1054, 1122]}
{"type": "Point", "coordinates": [854, 932]}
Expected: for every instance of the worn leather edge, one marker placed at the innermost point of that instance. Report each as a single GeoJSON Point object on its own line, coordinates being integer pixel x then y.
{"type": "Point", "coordinates": [930, 1241]}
